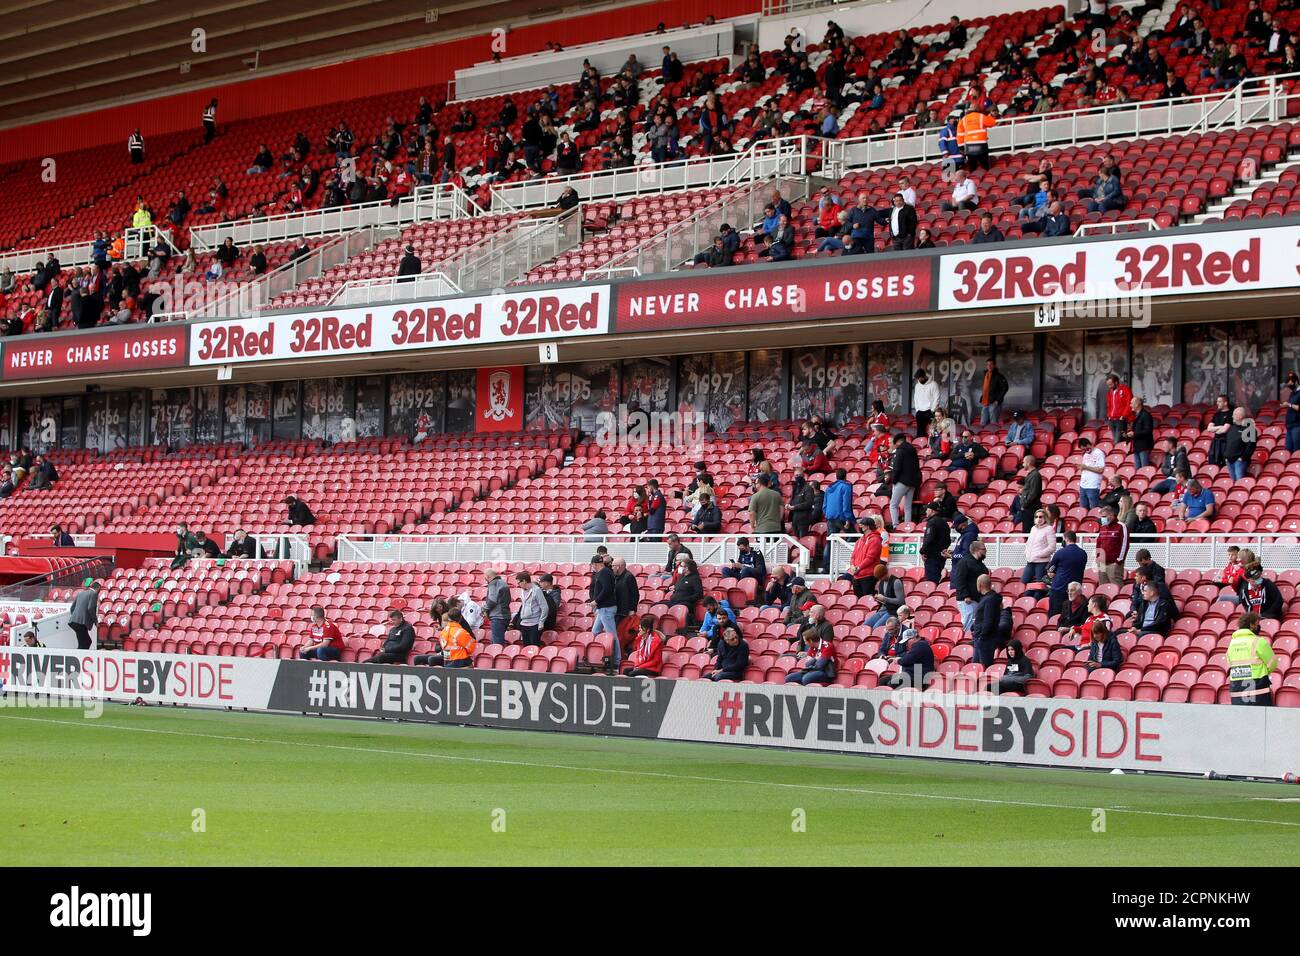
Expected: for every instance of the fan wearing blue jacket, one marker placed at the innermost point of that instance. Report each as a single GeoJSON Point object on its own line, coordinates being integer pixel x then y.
{"type": "Point", "coordinates": [837, 504]}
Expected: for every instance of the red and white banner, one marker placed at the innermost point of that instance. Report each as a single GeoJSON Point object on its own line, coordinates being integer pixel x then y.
{"type": "Point", "coordinates": [1158, 264]}
{"type": "Point", "coordinates": [845, 288]}
{"type": "Point", "coordinates": [59, 355]}
{"type": "Point", "coordinates": [190, 679]}
{"type": "Point", "coordinates": [499, 399]}
{"type": "Point", "coordinates": [513, 316]}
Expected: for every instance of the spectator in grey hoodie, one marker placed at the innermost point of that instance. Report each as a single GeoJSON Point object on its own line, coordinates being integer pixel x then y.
{"type": "Point", "coordinates": [533, 609]}
{"type": "Point", "coordinates": [595, 528]}
{"type": "Point", "coordinates": [497, 605]}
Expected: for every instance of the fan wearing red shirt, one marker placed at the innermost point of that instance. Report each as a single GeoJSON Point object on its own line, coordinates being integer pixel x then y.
{"type": "Point", "coordinates": [647, 657]}
{"type": "Point", "coordinates": [1112, 548]}
{"type": "Point", "coordinates": [1119, 410]}
{"type": "Point", "coordinates": [861, 571]}
{"type": "Point", "coordinates": [325, 641]}
{"type": "Point", "coordinates": [1234, 570]}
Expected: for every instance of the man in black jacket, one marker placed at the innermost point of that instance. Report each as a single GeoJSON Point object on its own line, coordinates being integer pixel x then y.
{"type": "Point", "coordinates": [242, 546]}
{"type": "Point", "coordinates": [1030, 498]}
{"type": "Point", "coordinates": [708, 520]}
{"type": "Point", "coordinates": [906, 478]}
{"type": "Point", "coordinates": [299, 513]}
{"type": "Point", "coordinates": [410, 264]}
{"type": "Point", "coordinates": [604, 601]}
{"type": "Point", "coordinates": [916, 663]}
{"type": "Point", "coordinates": [1141, 432]}
{"type": "Point", "coordinates": [902, 223]}
{"type": "Point", "coordinates": [985, 623]}
{"type": "Point", "coordinates": [935, 542]}
{"type": "Point", "coordinates": [398, 643]}
{"type": "Point", "coordinates": [1173, 461]}
{"type": "Point", "coordinates": [965, 582]}
{"type": "Point", "coordinates": [626, 593]}
{"type": "Point", "coordinates": [676, 550]}
{"type": "Point", "coordinates": [1155, 613]}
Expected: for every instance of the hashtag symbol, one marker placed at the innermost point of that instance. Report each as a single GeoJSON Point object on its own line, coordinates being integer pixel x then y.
{"type": "Point", "coordinates": [316, 690]}
{"type": "Point", "coordinates": [729, 708]}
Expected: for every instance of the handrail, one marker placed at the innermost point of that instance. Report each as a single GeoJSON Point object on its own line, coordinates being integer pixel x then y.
{"type": "Point", "coordinates": [425, 285]}
{"type": "Point", "coordinates": [531, 242]}
{"type": "Point", "coordinates": [680, 241]}
{"type": "Point", "coordinates": [438, 201]}
{"type": "Point", "coordinates": [1187, 114]}
{"type": "Point", "coordinates": [788, 155]}
{"type": "Point", "coordinates": [561, 549]}
{"type": "Point", "coordinates": [1203, 551]}
{"type": "Point", "coordinates": [250, 298]}
{"type": "Point", "coordinates": [1088, 228]}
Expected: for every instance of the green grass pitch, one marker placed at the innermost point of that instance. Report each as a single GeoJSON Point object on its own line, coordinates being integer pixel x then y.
{"type": "Point", "coordinates": [131, 787]}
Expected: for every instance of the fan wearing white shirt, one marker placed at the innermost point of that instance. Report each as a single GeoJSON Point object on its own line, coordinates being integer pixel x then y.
{"type": "Point", "coordinates": [925, 399]}
{"type": "Point", "coordinates": [905, 187]}
{"type": "Point", "coordinates": [964, 193]}
{"type": "Point", "coordinates": [1092, 466]}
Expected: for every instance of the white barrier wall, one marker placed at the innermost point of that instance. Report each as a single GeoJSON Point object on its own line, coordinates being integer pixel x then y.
{"type": "Point", "coordinates": [1048, 732]}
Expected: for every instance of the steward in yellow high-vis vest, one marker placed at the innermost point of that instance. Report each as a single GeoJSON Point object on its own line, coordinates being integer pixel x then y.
{"type": "Point", "coordinates": [1250, 661]}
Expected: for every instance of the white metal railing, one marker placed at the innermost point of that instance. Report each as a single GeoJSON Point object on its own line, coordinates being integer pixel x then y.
{"type": "Point", "coordinates": [280, 547]}
{"type": "Point", "coordinates": [791, 156]}
{"type": "Point", "coordinates": [1173, 551]}
{"type": "Point", "coordinates": [560, 549]}
{"type": "Point", "coordinates": [678, 243]}
{"type": "Point", "coordinates": [439, 201]}
{"type": "Point", "coordinates": [248, 298]}
{"type": "Point", "coordinates": [73, 254]}
{"type": "Point", "coordinates": [1118, 225]}
{"type": "Point", "coordinates": [502, 259]}
{"type": "Point", "coordinates": [1261, 100]}
{"type": "Point", "coordinates": [425, 285]}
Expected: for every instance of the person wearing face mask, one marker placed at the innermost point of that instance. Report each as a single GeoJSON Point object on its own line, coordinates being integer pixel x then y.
{"type": "Point", "coordinates": [1258, 594]}
{"type": "Point", "coordinates": [1112, 548]}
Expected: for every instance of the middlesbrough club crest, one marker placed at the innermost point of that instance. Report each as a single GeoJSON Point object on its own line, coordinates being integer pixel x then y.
{"type": "Point", "coordinates": [499, 399]}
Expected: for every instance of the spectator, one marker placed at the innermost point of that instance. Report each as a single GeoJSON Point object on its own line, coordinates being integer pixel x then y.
{"type": "Point", "coordinates": [1103, 650]}
{"type": "Point", "coordinates": [1021, 430]}
{"type": "Point", "coordinates": [595, 528]}
{"type": "Point", "coordinates": [1025, 505]}
{"type": "Point", "coordinates": [765, 508]}
{"type": "Point", "coordinates": [1141, 428]}
{"type": "Point", "coordinates": [861, 225]}
{"type": "Point", "coordinates": [993, 394]}
{"type": "Point", "coordinates": [915, 661]}
{"type": "Point", "coordinates": [716, 613]}
{"type": "Point", "coordinates": [965, 194]}
{"type": "Point", "coordinates": [935, 541]}
{"type": "Point", "coordinates": [44, 475]}
{"type": "Point", "coordinates": [1065, 568]}
{"type": "Point", "coordinates": [1153, 613]}
{"type": "Point", "coordinates": [801, 505]}
{"type": "Point", "coordinates": [676, 551]}
{"type": "Point", "coordinates": [410, 263]}
{"type": "Point", "coordinates": [458, 644]}
{"type": "Point", "coordinates": [496, 605]}
{"type": "Point", "coordinates": [777, 593]}
{"type": "Point", "coordinates": [902, 223]}
{"type": "Point", "coordinates": [1239, 443]}
{"type": "Point", "coordinates": [257, 261]}
{"type": "Point", "coordinates": [687, 589]}
{"type": "Point", "coordinates": [1172, 463]}
{"type": "Point", "coordinates": [987, 232]}
{"type": "Point", "coordinates": [967, 453]}
{"type": "Point", "coordinates": [1112, 548]}
{"type": "Point", "coordinates": [864, 559]}
{"type": "Point", "coordinates": [801, 600]}
{"type": "Point", "coordinates": [1039, 548]}
{"type": "Point", "coordinates": [748, 563]}
{"type": "Point", "coordinates": [325, 643]}
{"type": "Point", "coordinates": [817, 661]}
{"type": "Point", "coordinates": [716, 256]}
{"type": "Point", "coordinates": [1018, 672]}
{"type": "Point", "coordinates": [262, 162]}
{"type": "Point", "coordinates": [1073, 613]}
{"type": "Point", "coordinates": [708, 519]}
{"type": "Point", "coordinates": [398, 642]}
{"type": "Point", "coordinates": [925, 401]}
{"type": "Point", "coordinates": [986, 622]}
{"type": "Point", "coordinates": [1092, 466]}
{"type": "Point", "coordinates": [732, 657]}
{"type": "Point", "coordinates": [1258, 594]}
{"type": "Point", "coordinates": [950, 155]}
{"type": "Point", "coordinates": [1291, 389]}
{"type": "Point", "coordinates": [135, 147]}
{"type": "Point", "coordinates": [83, 614]}
{"type": "Point", "coordinates": [905, 471]}
{"type": "Point", "coordinates": [965, 578]}
{"type": "Point", "coordinates": [299, 514]}
{"type": "Point", "coordinates": [1108, 193]}
{"type": "Point", "coordinates": [533, 609]}
{"type": "Point", "coordinates": [647, 657]}
{"type": "Point", "coordinates": [1197, 502]}
{"type": "Point", "coordinates": [837, 504]}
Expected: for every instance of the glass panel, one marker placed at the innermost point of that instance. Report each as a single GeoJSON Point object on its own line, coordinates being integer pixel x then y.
{"type": "Point", "coordinates": [207, 414]}
{"type": "Point", "coordinates": [70, 428]}
{"type": "Point", "coordinates": [1205, 363]}
{"type": "Point", "coordinates": [369, 406]}
{"type": "Point", "coordinates": [287, 401]}
{"type": "Point", "coordinates": [647, 384]}
{"type": "Point", "coordinates": [1016, 362]}
{"type": "Point", "coordinates": [768, 396]}
{"type": "Point", "coordinates": [461, 386]}
{"type": "Point", "coordinates": [1153, 365]}
{"type": "Point", "coordinates": [964, 377]}
{"type": "Point", "coordinates": [593, 388]}
{"type": "Point", "coordinates": [172, 417]}
{"type": "Point", "coordinates": [1063, 364]}
{"type": "Point", "coordinates": [257, 421]}
{"type": "Point", "coordinates": [235, 400]}
{"type": "Point", "coordinates": [1105, 352]}
{"type": "Point", "coordinates": [545, 409]}
{"type": "Point", "coordinates": [887, 374]}
{"type": "Point", "coordinates": [1253, 377]}
{"type": "Point", "coordinates": [727, 390]}
{"type": "Point", "coordinates": [415, 404]}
